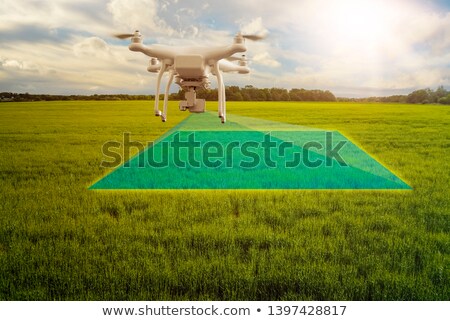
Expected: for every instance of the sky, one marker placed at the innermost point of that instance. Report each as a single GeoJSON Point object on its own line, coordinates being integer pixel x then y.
{"type": "Point", "coordinates": [354, 48]}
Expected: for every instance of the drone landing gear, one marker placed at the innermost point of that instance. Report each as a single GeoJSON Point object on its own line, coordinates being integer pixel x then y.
{"type": "Point", "coordinates": [163, 69]}
{"type": "Point", "coordinates": [221, 93]}
{"type": "Point", "coordinates": [158, 86]}
{"type": "Point", "coordinates": [166, 96]}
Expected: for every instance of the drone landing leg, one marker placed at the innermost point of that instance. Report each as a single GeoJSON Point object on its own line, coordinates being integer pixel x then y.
{"type": "Point", "coordinates": [158, 85]}
{"type": "Point", "coordinates": [224, 105]}
{"type": "Point", "coordinates": [220, 85]}
{"type": "Point", "coordinates": [166, 96]}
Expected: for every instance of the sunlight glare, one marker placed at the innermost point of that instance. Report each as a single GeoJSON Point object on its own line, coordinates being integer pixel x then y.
{"type": "Point", "coordinates": [363, 24]}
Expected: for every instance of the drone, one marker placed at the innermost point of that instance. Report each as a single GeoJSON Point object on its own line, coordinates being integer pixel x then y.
{"type": "Point", "coordinates": [191, 68]}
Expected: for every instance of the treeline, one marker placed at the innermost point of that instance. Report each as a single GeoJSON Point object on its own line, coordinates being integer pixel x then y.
{"type": "Point", "coordinates": [233, 93]}
{"type": "Point", "coordinates": [250, 93]}
{"type": "Point", "coordinates": [421, 96]}
{"type": "Point", "coordinates": [7, 96]}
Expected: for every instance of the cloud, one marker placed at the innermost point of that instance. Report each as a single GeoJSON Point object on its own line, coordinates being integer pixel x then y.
{"type": "Point", "coordinates": [65, 68]}
{"type": "Point", "coordinates": [17, 65]}
{"type": "Point", "coordinates": [82, 16]}
{"type": "Point", "coordinates": [266, 60]}
{"type": "Point", "coordinates": [95, 47]}
{"type": "Point", "coordinates": [92, 46]}
{"type": "Point", "coordinates": [24, 65]}
{"type": "Point", "coordinates": [341, 45]}
{"type": "Point", "coordinates": [254, 27]}
{"type": "Point", "coordinates": [138, 14]}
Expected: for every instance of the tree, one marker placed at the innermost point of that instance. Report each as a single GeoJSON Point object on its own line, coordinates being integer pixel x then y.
{"type": "Point", "coordinates": [328, 96]}
{"type": "Point", "coordinates": [445, 100]}
{"type": "Point", "coordinates": [421, 96]}
{"type": "Point", "coordinates": [439, 93]}
{"type": "Point", "coordinates": [295, 94]}
{"type": "Point", "coordinates": [279, 94]}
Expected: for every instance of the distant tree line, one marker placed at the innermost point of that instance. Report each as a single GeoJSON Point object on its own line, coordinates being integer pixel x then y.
{"type": "Point", "coordinates": [250, 93]}
{"type": "Point", "coordinates": [7, 96]}
{"type": "Point", "coordinates": [233, 93]}
{"type": "Point", "coordinates": [421, 96]}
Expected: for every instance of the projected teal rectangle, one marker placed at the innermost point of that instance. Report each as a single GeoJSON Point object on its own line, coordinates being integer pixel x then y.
{"type": "Point", "coordinates": [252, 159]}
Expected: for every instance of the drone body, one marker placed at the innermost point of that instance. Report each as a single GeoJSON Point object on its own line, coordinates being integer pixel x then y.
{"type": "Point", "coordinates": [191, 67]}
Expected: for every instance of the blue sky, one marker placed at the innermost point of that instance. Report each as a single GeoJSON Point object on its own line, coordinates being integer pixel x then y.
{"type": "Point", "coordinates": [354, 48]}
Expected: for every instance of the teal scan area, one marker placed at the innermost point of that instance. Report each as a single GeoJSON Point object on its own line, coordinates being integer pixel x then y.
{"type": "Point", "coordinates": [250, 153]}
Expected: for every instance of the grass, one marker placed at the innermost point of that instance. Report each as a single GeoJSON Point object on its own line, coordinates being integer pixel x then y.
{"type": "Point", "coordinates": [61, 241]}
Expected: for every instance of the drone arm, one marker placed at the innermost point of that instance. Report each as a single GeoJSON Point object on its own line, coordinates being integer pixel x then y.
{"type": "Point", "coordinates": [141, 48]}
{"type": "Point", "coordinates": [224, 52]}
{"type": "Point", "coordinates": [227, 66]}
{"type": "Point", "coordinates": [160, 52]}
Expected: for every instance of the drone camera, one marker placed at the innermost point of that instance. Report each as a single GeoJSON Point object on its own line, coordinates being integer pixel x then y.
{"type": "Point", "coordinates": [198, 107]}
{"type": "Point", "coordinates": [192, 103]}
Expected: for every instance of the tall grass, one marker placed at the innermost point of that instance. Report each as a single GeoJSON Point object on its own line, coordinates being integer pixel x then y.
{"type": "Point", "coordinates": [60, 241]}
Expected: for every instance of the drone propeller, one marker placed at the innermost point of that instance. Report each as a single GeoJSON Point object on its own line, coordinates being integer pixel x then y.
{"type": "Point", "coordinates": [240, 38]}
{"type": "Point", "coordinates": [124, 35]}
{"type": "Point", "coordinates": [254, 37]}
{"type": "Point", "coordinates": [127, 35]}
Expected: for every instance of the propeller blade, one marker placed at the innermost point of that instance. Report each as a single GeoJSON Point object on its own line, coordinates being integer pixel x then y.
{"type": "Point", "coordinates": [254, 37]}
{"type": "Point", "coordinates": [124, 35]}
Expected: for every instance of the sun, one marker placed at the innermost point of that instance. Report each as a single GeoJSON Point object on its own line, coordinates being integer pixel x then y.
{"type": "Point", "coordinates": [360, 20]}
{"type": "Point", "coordinates": [362, 24]}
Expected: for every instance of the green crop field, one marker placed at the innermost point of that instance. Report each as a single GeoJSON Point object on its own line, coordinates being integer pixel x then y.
{"type": "Point", "coordinates": [61, 241]}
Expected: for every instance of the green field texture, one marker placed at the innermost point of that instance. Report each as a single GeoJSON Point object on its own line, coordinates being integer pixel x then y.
{"type": "Point", "coordinates": [61, 241]}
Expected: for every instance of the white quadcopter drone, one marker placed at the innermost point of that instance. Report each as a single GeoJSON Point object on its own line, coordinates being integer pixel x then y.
{"type": "Point", "coordinates": [191, 67]}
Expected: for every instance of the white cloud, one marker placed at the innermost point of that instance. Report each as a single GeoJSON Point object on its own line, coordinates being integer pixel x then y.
{"type": "Point", "coordinates": [266, 60]}
{"type": "Point", "coordinates": [65, 45]}
{"type": "Point", "coordinates": [138, 14]}
{"type": "Point", "coordinates": [92, 46]}
{"type": "Point", "coordinates": [13, 64]}
{"type": "Point", "coordinates": [95, 47]}
{"type": "Point", "coordinates": [80, 16]}
{"type": "Point", "coordinates": [88, 64]}
{"type": "Point", "coordinates": [255, 27]}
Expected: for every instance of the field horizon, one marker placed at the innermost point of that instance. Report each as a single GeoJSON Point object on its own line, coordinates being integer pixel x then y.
{"type": "Point", "coordinates": [61, 241]}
